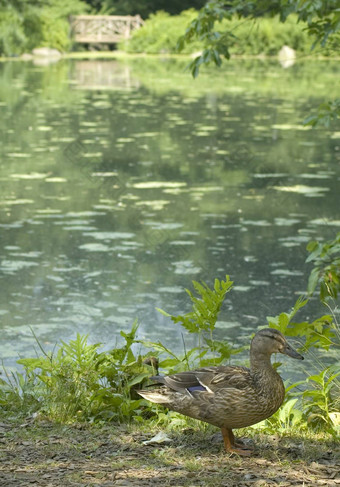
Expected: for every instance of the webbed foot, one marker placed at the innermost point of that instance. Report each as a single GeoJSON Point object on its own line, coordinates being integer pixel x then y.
{"type": "Point", "coordinates": [235, 446]}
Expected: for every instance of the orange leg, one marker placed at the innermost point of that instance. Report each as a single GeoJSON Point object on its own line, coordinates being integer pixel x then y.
{"type": "Point", "coordinates": [231, 446]}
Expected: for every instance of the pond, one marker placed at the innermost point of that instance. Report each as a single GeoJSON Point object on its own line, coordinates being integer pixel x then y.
{"type": "Point", "coordinates": [121, 182]}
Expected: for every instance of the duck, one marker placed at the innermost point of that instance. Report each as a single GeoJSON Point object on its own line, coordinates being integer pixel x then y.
{"type": "Point", "coordinates": [228, 396]}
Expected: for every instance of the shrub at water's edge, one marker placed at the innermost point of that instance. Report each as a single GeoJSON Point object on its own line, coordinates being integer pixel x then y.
{"type": "Point", "coordinates": [265, 36]}
{"type": "Point", "coordinates": [29, 24]}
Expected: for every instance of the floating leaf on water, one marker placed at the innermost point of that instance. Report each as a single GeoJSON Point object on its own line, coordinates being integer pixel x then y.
{"type": "Point", "coordinates": [286, 272]}
{"type": "Point", "coordinates": [48, 210]}
{"type": "Point", "coordinates": [175, 191]}
{"type": "Point", "coordinates": [301, 189]}
{"type": "Point", "coordinates": [256, 197]}
{"type": "Point", "coordinates": [270, 175]}
{"type": "Point", "coordinates": [170, 289]}
{"type": "Point", "coordinates": [325, 221]}
{"type": "Point", "coordinates": [92, 154]}
{"type": "Point", "coordinates": [154, 204]}
{"type": "Point", "coordinates": [228, 324]}
{"type": "Point", "coordinates": [104, 174]}
{"type": "Point", "coordinates": [164, 226]}
{"type": "Point", "coordinates": [258, 223]}
{"type": "Point", "coordinates": [186, 267]}
{"type": "Point", "coordinates": [33, 175]}
{"type": "Point", "coordinates": [182, 242]}
{"type": "Point", "coordinates": [11, 266]}
{"type": "Point", "coordinates": [318, 175]}
{"type": "Point", "coordinates": [16, 202]}
{"type": "Point", "coordinates": [80, 228]}
{"type": "Point", "coordinates": [285, 221]}
{"type": "Point", "coordinates": [288, 126]}
{"type": "Point", "coordinates": [76, 214]}
{"type": "Point", "coordinates": [242, 288]}
{"type": "Point", "coordinates": [44, 128]}
{"type": "Point", "coordinates": [207, 189]}
{"type": "Point", "coordinates": [259, 283]}
{"type": "Point", "coordinates": [94, 247]}
{"type": "Point", "coordinates": [158, 184]}
{"type": "Point", "coordinates": [18, 154]}
{"type": "Point", "coordinates": [56, 180]}
{"type": "Point", "coordinates": [109, 235]}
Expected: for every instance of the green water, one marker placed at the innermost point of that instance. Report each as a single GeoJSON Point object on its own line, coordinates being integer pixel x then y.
{"type": "Point", "coordinates": [121, 183]}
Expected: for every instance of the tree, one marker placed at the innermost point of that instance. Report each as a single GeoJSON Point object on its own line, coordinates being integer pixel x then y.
{"type": "Point", "coordinates": [321, 18]}
{"type": "Point", "coordinates": [144, 7]}
{"type": "Point", "coordinates": [26, 24]}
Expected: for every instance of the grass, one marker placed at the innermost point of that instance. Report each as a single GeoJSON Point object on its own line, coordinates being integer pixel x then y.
{"type": "Point", "coordinates": [42, 453]}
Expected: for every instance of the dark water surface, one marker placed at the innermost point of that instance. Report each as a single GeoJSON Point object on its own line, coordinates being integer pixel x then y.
{"type": "Point", "coordinates": [121, 183]}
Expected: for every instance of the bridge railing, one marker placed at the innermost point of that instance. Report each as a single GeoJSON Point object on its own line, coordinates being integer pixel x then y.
{"type": "Point", "coordinates": [106, 29]}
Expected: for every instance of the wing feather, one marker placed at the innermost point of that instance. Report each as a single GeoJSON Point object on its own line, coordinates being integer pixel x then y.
{"type": "Point", "coordinates": [212, 378]}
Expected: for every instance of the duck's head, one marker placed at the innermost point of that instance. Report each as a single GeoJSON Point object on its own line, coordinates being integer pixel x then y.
{"type": "Point", "coordinates": [269, 340]}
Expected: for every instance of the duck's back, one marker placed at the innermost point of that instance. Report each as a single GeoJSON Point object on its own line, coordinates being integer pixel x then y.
{"type": "Point", "coordinates": [225, 396]}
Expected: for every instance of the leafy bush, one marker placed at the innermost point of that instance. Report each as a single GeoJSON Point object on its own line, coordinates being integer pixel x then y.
{"type": "Point", "coordinates": [27, 24]}
{"type": "Point", "coordinates": [326, 271]}
{"type": "Point", "coordinates": [161, 32]}
{"type": "Point", "coordinates": [77, 382]}
{"type": "Point", "coordinates": [319, 399]}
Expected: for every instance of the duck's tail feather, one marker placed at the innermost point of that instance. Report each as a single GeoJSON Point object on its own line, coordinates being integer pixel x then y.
{"type": "Point", "coordinates": [157, 396]}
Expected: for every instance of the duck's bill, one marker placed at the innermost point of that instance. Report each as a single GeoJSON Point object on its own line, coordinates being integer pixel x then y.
{"type": "Point", "coordinates": [288, 350]}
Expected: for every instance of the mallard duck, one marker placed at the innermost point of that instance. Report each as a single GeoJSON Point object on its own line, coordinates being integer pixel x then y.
{"type": "Point", "coordinates": [228, 396]}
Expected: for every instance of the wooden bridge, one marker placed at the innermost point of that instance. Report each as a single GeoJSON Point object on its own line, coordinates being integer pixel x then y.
{"type": "Point", "coordinates": [107, 29]}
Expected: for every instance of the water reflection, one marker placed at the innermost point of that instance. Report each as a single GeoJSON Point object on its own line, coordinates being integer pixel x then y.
{"type": "Point", "coordinates": [102, 75]}
{"type": "Point", "coordinates": [113, 200]}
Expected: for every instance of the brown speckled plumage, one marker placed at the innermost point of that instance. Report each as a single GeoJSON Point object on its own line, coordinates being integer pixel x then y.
{"type": "Point", "coordinates": [228, 396]}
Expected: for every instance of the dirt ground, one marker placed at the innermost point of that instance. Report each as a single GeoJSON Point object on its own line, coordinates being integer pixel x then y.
{"type": "Point", "coordinates": [48, 455]}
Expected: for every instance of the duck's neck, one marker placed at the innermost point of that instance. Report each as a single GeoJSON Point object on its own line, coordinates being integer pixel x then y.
{"type": "Point", "coordinates": [260, 362]}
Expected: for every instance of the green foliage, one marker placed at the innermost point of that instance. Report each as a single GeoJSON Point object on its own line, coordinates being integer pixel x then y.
{"type": "Point", "coordinates": [326, 113]}
{"type": "Point", "coordinates": [206, 308]}
{"type": "Point", "coordinates": [26, 24]}
{"type": "Point", "coordinates": [322, 399]}
{"type": "Point", "coordinates": [76, 382]}
{"type": "Point", "coordinates": [321, 333]}
{"type": "Point", "coordinates": [288, 417]}
{"type": "Point", "coordinates": [147, 7]}
{"type": "Point", "coordinates": [162, 33]}
{"type": "Point", "coordinates": [17, 22]}
{"type": "Point", "coordinates": [212, 25]}
{"type": "Point", "coordinates": [326, 271]}
{"type": "Point", "coordinates": [202, 318]}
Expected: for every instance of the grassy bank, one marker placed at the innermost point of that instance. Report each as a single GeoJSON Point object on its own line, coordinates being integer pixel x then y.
{"type": "Point", "coordinates": [42, 453]}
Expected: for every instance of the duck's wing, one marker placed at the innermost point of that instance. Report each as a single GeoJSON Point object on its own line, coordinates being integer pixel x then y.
{"type": "Point", "coordinates": [224, 377]}
{"type": "Point", "coordinates": [209, 379]}
{"type": "Point", "coordinates": [181, 382]}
